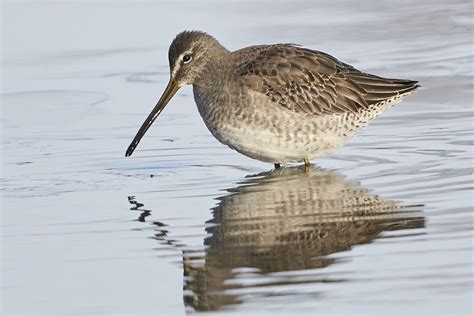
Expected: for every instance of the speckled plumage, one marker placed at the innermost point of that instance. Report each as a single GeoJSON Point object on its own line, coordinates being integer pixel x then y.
{"type": "Point", "coordinates": [279, 103]}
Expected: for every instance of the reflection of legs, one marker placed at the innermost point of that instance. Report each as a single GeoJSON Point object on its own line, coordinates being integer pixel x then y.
{"type": "Point", "coordinates": [307, 164]}
{"type": "Point", "coordinates": [277, 166]}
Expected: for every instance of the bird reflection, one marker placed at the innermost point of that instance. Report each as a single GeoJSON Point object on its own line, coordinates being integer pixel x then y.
{"type": "Point", "coordinates": [283, 221]}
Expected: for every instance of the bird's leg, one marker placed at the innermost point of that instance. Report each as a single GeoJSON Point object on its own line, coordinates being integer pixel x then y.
{"type": "Point", "coordinates": [277, 166]}
{"type": "Point", "coordinates": [307, 165]}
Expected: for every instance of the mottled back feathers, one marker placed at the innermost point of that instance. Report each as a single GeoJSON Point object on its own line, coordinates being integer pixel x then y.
{"type": "Point", "coordinates": [313, 82]}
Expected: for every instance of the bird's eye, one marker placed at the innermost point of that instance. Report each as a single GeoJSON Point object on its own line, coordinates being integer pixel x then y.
{"type": "Point", "coordinates": [187, 58]}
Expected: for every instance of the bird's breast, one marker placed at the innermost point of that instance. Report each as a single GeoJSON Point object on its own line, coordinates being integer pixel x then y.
{"type": "Point", "coordinates": [219, 109]}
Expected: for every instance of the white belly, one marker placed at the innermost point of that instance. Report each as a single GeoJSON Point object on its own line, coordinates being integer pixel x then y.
{"type": "Point", "coordinates": [275, 134]}
{"type": "Point", "coordinates": [278, 136]}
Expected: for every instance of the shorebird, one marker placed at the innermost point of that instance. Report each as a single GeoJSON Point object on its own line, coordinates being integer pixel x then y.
{"type": "Point", "coordinates": [277, 103]}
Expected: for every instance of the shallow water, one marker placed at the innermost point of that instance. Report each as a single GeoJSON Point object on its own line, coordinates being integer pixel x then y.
{"type": "Point", "coordinates": [383, 226]}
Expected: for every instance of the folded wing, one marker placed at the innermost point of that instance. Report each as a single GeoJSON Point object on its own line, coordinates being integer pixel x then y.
{"type": "Point", "coordinates": [313, 82]}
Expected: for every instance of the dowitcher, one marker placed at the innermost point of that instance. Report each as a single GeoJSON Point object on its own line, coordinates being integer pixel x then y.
{"type": "Point", "coordinates": [276, 103]}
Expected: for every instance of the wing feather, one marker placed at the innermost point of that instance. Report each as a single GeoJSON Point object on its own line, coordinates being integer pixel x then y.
{"type": "Point", "coordinates": [313, 82]}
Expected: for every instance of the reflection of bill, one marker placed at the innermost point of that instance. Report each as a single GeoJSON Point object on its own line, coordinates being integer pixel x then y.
{"type": "Point", "coordinates": [285, 220]}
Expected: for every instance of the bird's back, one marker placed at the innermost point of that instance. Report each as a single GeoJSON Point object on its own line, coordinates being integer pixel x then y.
{"type": "Point", "coordinates": [312, 82]}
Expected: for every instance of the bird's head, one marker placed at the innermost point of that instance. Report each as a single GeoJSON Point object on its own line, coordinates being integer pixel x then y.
{"type": "Point", "coordinates": [189, 55]}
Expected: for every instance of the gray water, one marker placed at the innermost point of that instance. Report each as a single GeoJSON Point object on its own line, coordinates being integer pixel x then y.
{"type": "Point", "coordinates": [382, 226]}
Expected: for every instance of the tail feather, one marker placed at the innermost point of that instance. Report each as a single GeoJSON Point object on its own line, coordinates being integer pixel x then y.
{"type": "Point", "coordinates": [379, 89]}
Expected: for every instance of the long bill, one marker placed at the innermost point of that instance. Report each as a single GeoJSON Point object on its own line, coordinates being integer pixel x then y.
{"type": "Point", "coordinates": [170, 91]}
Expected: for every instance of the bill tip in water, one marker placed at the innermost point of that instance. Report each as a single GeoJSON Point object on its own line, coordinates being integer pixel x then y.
{"type": "Point", "coordinates": [129, 151]}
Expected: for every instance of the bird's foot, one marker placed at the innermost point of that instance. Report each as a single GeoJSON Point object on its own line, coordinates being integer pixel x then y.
{"type": "Point", "coordinates": [307, 165]}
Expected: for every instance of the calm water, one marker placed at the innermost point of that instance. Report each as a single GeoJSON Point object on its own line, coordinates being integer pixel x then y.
{"type": "Point", "coordinates": [383, 226]}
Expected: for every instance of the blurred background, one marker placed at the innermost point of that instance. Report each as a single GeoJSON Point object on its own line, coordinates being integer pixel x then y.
{"type": "Point", "coordinates": [383, 226]}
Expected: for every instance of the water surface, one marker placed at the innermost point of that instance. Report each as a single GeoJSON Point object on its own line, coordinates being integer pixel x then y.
{"type": "Point", "coordinates": [383, 226]}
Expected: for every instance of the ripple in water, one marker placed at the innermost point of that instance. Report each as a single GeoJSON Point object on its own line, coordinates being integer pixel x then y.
{"type": "Point", "coordinates": [266, 231]}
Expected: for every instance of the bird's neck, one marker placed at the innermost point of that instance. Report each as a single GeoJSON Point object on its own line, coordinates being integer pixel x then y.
{"type": "Point", "coordinates": [216, 68]}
